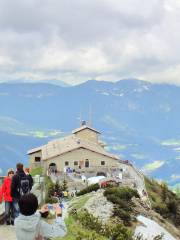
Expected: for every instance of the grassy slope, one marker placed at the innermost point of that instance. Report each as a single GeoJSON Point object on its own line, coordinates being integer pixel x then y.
{"type": "Point", "coordinates": [164, 201]}
{"type": "Point", "coordinates": [75, 227]}
{"type": "Point", "coordinates": [158, 191]}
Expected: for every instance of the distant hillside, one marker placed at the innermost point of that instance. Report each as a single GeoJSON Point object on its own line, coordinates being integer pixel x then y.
{"type": "Point", "coordinates": [13, 149]}
{"type": "Point", "coordinates": [48, 81]}
{"type": "Point", "coordinates": [139, 121]}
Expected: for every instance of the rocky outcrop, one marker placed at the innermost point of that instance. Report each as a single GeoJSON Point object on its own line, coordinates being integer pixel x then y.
{"type": "Point", "coordinates": [99, 207]}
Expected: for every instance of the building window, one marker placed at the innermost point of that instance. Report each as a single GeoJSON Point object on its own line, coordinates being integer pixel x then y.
{"type": "Point", "coordinates": [75, 163]}
{"type": "Point", "coordinates": [102, 163]}
{"type": "Point", "coordinates": [87, 163]}
{"type": "Point", "coordinates": [66, 163]}
{"type": "Point", "coordinates": [37, 159]}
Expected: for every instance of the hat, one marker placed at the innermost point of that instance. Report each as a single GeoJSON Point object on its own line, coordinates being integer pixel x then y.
{"type": "Point", "coordinates": [10, 170]}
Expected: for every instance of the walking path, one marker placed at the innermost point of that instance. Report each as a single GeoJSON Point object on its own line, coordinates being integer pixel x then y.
{"type": "Point", "coordinates": [7, 232]}
{"type": "Point", "coordinates": [1, 208]}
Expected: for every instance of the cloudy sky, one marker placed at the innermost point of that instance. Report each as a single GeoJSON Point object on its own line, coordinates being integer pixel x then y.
{"type": "Point", "coordinates": [77, 40]}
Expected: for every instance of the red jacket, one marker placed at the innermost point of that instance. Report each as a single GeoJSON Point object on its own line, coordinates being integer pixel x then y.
{"type": "Point", "coordinates": [6, 190]}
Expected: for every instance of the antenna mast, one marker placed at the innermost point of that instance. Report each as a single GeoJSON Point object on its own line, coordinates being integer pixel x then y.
{"type": "Point", "coordinates": [80, 118]}
{"type": "Point", "coordinates": [90, 115]}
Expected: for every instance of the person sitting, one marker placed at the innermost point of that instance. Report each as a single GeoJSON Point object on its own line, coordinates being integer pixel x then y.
{"type": "Point", "coordinates": [29, 224]}
{"type": "Point", "coordinates": [5, 194]}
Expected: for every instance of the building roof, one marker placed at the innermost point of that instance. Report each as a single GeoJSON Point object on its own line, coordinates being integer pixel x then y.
{"type": "Point", "coordinates": [84, 127]}
{"type": "Point", "coordinates": [38, 149]}
{"type": "Point", "coordinates": [61, 146]}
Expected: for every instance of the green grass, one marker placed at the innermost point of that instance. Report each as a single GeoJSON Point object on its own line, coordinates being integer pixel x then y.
{"type": "Point", "coordinates": [71, 226]}
{"type": "Point", "coordinates": [164, 201]}
{"type": "Point", "coordinates": [75, 228]}
{"type": "Point", "coordinates": [154, 190]}
{"type": "Point", "coordinates": [80, 201]}
{"type": "Point", "coordinates": [36, 171]}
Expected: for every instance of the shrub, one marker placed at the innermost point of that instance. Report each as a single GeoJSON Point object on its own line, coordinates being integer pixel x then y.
{"type": "Point", "coordinates": [89, 221]}
{"type": "Point", "coordinates": [164, 191]}
{"type": "Point", "coordinates": [117, 232]}
{"type": "Point", "coordinates": [161, 209]}
{"type": "Point", "coordinates": [49, 191]}
{"type": "Point", "coordinates": [121, 197]}
{"type": "Point", "coordinates": [126, 205]}
{"type": "Point", "coordinates": [123, 214]}
{"type": "Point", "coordinates": [114, 231]}
{"type": "Point", "coordinates": [91, 188]}
{"type": "Point", "coordinates": [124, 193]}
{"type": "Point", "coordinates": [64, 185]}
{"type": "Point", "coordinates": [140, 237]}
{"type": "Point", "coordinates": [172, 206]}
{"type": "Point", "coordinates": [57, 187]}
{"type": "Point", "coordinates": [36, 171]}
{"type": "Point", "coordinates": [82, 235]}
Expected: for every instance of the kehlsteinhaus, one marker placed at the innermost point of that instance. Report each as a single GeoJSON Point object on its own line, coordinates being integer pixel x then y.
{"type": "Point", "coordinates": [82, 152]}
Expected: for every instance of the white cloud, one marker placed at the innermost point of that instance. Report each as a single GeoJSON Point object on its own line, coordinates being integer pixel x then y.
{"type": "Point", "coordinates": [79, 40]}
{"type": "Point", "coordinates": [171, 143]}
{"type": "Point", "coordinates": [150, 167]}
{"type": "Point", "coordinates": [139, 156]}
{"type": "Point", "coordinates": [175, 176]}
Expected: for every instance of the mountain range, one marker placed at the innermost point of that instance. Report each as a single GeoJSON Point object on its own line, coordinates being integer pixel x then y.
{"type": "Point", "coordinates": [139, 121]}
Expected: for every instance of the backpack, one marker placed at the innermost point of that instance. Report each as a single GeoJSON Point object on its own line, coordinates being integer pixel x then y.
{"type": "Point", "coordinates": [24, 185]}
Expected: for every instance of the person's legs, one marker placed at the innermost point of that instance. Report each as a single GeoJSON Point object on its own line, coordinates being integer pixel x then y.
{"type": "Point", "coordinates": [15, 209]}
{"type": "Point", "coordinates": [7, 212]}
{"type": "Point", "coordinates": [12, 213]}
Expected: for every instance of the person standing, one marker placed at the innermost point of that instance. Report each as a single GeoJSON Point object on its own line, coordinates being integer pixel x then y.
{"type": "Point", "coordinates": [20, 185]}
{"type": "Point", "coordinates": [27, 172]}
{"type": "Point", "coordinates": [6, 195]}
{"type": "Point", "coordinates": [30, 225]}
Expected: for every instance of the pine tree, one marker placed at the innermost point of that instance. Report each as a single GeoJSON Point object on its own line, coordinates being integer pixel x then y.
{"type": "Point", "coordinates": [51, 190]}
{"type": "Point", "coordinates": [164, 191]}
{"type": "Point", "coordinates": [64, 185]}
{"type": "Point", "coordinates": [57, 187]}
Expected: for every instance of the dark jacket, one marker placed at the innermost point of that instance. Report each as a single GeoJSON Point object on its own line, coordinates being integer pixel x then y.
{"type": "Point", "coordinates": [30, 180]}
{"type": "Point", "coordinates": [16, 183]}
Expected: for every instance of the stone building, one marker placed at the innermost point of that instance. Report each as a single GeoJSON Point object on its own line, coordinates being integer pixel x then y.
{"type": "Point", "coordinates": [83, 153]}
